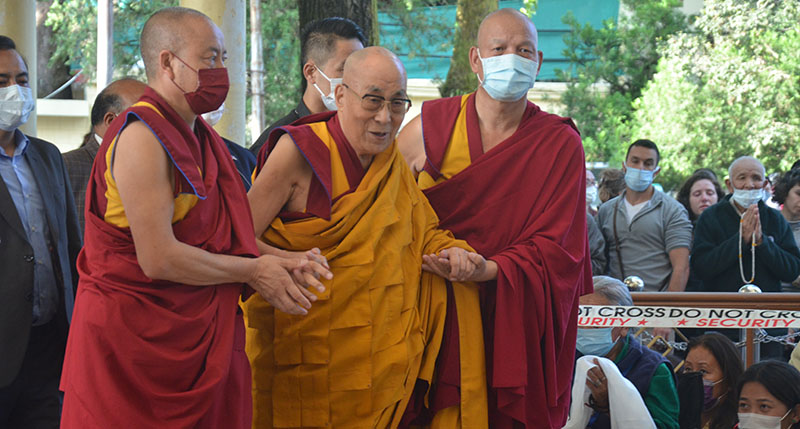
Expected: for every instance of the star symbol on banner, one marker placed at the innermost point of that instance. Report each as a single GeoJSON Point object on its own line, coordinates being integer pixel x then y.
{"type": "Point", "coordinates": [682, 322]}
{"type": "Point", "coordinates": [642, 322]}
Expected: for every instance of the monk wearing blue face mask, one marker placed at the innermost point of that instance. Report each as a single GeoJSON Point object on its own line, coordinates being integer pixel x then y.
{"type": "Point", "coordinates": [509, 179]}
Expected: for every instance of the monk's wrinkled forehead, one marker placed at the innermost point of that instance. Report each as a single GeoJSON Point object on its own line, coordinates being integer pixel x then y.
{"type": "Point", "coordinates": [507, 24]}
{"type": "Point", "coordinates": [375, 70]}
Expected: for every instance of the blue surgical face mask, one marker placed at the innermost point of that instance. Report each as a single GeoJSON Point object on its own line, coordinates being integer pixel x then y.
{"type": "Point", "coordinates": [746, 197]}
{"type": "Point", "coordinates": [594, 341]}
{"type": "Point", "coordinates": [639, 179]}
{"type": "Point", "coordinates": [16, 104]}
{"type": "Point", "coordinates": [508, 77]}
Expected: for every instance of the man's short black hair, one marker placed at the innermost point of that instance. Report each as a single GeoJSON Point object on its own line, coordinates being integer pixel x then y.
{"type": "Point", "coordinates": [318, 39]}
{"type": "Point", "coordinates": [6, 43]}
{"type": "Point", "coordinates": [646, 144]}
{"type": "Point", "coordinates": [106, 101]}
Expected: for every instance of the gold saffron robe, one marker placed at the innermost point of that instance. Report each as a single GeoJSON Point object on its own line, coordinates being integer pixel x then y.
{"type": "Point", "coordinates": [353, 361]}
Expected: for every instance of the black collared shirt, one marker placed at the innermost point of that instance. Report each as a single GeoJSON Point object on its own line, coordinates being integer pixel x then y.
{"type": "Point", "coordinates": [296, 113]}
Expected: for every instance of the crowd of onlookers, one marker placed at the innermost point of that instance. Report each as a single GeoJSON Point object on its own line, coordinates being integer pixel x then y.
{"type": "Point", "coordinates": [711, 235]}
{"type": "Point", "coordinates": [647, 233]}
{"type": "Point", "coordinates": [621, 383]}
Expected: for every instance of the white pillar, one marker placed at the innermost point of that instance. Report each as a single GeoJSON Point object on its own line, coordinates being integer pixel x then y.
{"type": "Point", "coordinates": [256, 72]}
{"type": "Point", "coordinates": [230, 16]}
{"type": "Point", "coordinates": [18, 21]}
{"type": "Point", "coordinates": [105, 35]}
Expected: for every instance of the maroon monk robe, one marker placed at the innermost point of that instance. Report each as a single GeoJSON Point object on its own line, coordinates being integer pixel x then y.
{"type": "Point", "coordinates": [521, 205]}
{"type": "Point", "coordinates": [153, 353]}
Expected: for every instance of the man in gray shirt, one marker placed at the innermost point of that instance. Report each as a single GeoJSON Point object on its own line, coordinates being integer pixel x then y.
{"type": "Point", "coordinates": [647, 233]}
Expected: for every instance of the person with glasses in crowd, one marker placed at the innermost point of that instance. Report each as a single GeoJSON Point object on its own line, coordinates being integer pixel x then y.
{"type": "Point", "coordinates": [335, 183]}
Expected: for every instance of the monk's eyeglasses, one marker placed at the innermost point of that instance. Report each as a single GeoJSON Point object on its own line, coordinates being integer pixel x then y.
{"type": "Point", "coordinates": [374, 103]}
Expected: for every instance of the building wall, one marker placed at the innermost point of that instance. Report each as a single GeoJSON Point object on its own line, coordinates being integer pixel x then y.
{"type": "Point", "coordinates": [546, 95]}
{"type": "Point", "coordinates": [63, 122]}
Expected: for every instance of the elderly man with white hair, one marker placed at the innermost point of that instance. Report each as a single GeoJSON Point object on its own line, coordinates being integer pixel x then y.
{"type": "Point", "coordinates": [647, 370]}
{"type": "Point", "coordinates": [740, 240]}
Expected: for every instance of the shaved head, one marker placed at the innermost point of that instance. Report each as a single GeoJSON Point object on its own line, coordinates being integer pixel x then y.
{"type": "Point", "coordinates": [507, 22]}
{"type": "Point", "coordinates": [169, 29]}
{"type": "Point", "coordinates": [744, 162]}
{"type": "Point", "coordinates": [361, 62]}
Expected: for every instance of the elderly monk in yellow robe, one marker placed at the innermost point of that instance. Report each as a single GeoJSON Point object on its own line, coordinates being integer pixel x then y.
{"type": "Point", "coordinates": [336, 182]}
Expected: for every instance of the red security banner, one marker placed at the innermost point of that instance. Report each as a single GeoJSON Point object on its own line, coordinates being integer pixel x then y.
{"type": "Point", "coordinates": [684, 317]}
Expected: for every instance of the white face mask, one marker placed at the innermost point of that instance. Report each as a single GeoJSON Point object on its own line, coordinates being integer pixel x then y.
{"type": "Point", "coordinates": [747, 197]}
{"type": "Point", "coordinates": [760, 421]}
{"type": "Point", "coordinates": [591, 194]}
{"type": "Point", "coordinates": [16, 103]}
{"type": "Point", "coordinates": [329, 100]}
{"type": "Point", "coordinates": [214, 116]}
{"type": "Point", "coordinates": [508, 77]}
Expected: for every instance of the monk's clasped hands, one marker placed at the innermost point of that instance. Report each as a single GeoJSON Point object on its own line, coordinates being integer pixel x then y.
{"type": "Point", "coordinates": [284, 281]}
{"type": "Point", "coordinates": [456, 264]}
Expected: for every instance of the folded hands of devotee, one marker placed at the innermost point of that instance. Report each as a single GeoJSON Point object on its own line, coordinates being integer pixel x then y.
{"type": "Point", "coordinates": [458, 265]}
{"type": "Point", "coordinates": [284, 282]}
{"type": "Point", "coordinates": [750, 223]}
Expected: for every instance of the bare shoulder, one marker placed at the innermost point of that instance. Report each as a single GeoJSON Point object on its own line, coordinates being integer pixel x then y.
{"type": "Point", "coordinates": [286, 161]}
{"type": "Point", "coordinates": [411, 144]}
{"type": "Point", "coordinates": [138, 149]}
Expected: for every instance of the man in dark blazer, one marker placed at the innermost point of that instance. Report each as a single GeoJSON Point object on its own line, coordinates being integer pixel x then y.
{"type": "Point", "coordinates": [110, 102]}
{"type": "Point", "coordinates": [39, 242]}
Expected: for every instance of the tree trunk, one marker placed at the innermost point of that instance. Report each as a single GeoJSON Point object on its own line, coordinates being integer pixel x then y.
{"type": "Point", "coordinates": [460, 79]}
{"type": "Point", "coordinates": [256, 70]}
{"type": "Point", "coordinates": [49, 78]}
{"type": "Point", "coordinates": [362, 12]}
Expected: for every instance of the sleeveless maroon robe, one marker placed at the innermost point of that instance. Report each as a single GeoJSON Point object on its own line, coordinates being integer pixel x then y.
{"type": "Point", "coordinates": [153, 353]}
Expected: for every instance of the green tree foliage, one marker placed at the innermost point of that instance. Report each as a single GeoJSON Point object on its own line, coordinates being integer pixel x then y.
{"type": "Point", "coordinates": [727, 89]}
{"type": "Point", "coordinates": [460, 79]}
{"type": "Point", "coordinates": [281, 40]}
{"type": "Point", "coordinates": [74, 24]}
{"type": "Point", "coordinates": [609, 67]}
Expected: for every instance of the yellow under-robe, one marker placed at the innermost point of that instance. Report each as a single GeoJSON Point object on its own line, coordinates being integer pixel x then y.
{"type": "Point", "coordinates": [457, 158]}
{"type": "Point", "coordinates": [353, 361]}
